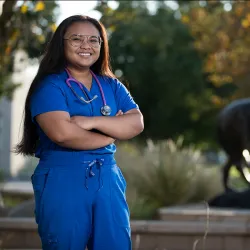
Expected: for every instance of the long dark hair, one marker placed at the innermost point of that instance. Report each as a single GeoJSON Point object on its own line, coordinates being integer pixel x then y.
{"type": "Point", "coordinates": [54, 61]}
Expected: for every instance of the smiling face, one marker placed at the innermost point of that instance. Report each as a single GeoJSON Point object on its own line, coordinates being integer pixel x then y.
{"type": "Point", "coordinates": [82, 47]}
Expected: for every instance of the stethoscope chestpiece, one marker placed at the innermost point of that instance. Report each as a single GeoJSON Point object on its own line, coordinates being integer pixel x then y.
{"type": "Point", "coordinates": [106, 110]}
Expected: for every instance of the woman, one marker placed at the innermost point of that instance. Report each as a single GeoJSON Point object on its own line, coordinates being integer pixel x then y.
{"type": "Point", "coordinates": [75, 110]}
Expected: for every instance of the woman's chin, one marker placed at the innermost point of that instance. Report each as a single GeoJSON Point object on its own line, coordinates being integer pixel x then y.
{"type": "Point", "coordinates": [83, 65]}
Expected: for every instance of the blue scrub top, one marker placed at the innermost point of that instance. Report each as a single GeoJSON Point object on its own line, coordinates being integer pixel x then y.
{"type": "Point", "coordinates": [53, 94]}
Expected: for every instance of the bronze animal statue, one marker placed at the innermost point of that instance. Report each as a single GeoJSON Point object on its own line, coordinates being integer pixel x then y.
{"type": "Point", "coordinates": [233, 126]}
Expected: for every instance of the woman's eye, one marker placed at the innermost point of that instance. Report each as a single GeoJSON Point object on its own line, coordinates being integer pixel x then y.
{"type": "Point", "coordinates": [93, 40]}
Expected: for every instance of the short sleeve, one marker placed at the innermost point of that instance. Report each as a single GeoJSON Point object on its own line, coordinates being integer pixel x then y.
{"type": "Point", "coordinates": [48, 97]}
{"type": "Point", "coordinates": [124, 100]}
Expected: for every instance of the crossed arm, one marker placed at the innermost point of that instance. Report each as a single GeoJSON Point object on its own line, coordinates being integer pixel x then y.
{"type": "Point", "coordinates": [75, 132]}
{"type": "Point", "coordinates": [121, 127]}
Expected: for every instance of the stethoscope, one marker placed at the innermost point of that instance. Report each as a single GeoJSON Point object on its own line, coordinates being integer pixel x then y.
{"type": "Point", "coordinates": [105, 109]}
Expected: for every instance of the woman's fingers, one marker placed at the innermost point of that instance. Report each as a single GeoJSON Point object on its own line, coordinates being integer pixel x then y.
{"type": "Point", "coordinates": [119, 113]}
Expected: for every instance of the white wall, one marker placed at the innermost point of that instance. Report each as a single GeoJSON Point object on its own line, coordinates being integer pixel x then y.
{"type": "Point", "coordinates": [1, 6]}
{"type": "Point", "coordinates": [24, 74]}
{"type": "Point", "coordinates": [5, 121]}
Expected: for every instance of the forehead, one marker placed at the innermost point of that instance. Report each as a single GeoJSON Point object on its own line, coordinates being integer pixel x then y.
{"type": "Point", "coordinates": [83, 28]}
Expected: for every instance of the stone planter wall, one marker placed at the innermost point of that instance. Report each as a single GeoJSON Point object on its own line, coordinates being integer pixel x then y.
{"type": "Point", "coordinates": [178, 229]}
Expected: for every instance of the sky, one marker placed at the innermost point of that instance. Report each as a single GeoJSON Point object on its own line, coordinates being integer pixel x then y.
{"type": "Point", "coordinates": [68, 8]}
{"type": "Point", "coordinates": [83, 7]}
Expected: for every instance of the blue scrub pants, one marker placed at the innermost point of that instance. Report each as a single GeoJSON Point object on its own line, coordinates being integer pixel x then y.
{"type": "Point", "coordinates": [80, 202]}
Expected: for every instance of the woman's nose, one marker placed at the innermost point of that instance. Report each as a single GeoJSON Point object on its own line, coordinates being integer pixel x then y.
{"type": "Point", "coordinates": [85, 43]}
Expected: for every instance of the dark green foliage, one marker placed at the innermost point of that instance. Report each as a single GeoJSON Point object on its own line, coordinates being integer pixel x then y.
{"type": "Point", "coordinates": [26, 26]}
{"type": "Point", "coordinates": [156, 55]}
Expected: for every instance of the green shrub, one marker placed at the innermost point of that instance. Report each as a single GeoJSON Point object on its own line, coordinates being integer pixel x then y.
{"type": "Point", "coordinates": [1, 175]}
{"type": "Point", "coordinates": [1, 181]}
{"type": "Point", "coordinates": [236, 181]}
{"type": "Point", "coordinates": [165, 174]}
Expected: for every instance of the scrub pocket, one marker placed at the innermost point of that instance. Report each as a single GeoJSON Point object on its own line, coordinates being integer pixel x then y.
{"type": "Point", "coordinates": [40, 180]}
{"type": "Point", "coordinates": [119, 204]}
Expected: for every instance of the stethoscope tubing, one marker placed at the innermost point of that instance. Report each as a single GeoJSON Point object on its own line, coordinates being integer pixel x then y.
{"type": "Point", "coordinates": [105, 110]}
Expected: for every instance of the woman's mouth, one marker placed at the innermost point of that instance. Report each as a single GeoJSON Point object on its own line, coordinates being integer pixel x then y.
{"type": "Point", "coordinates": [84, 54]}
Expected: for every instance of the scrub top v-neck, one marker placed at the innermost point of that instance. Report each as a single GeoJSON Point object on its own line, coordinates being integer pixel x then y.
{"type": "Point", "coordinates": [53, 94]}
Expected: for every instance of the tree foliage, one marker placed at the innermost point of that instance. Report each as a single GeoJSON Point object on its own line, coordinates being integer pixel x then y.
{"type": "Point", "coordinates": [24, 25]}
{"type": "Point", "coordinates": [155, 54]}
{"type": "Point", "coordinates": [223, 37]}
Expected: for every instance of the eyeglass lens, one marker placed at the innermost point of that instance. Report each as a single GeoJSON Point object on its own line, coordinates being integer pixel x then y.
{"type": "Point", "coordinates": [93, 41]}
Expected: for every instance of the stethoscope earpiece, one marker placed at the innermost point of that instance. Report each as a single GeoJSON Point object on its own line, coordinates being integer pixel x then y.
{"type": "Point", "coordinates": [89, 101]}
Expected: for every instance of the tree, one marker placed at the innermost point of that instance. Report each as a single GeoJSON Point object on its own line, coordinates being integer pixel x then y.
{"type": "Point", "coordinates": [223, 37]}
{"type": "Point", "coordinates": [155, 54]}
{"type": "Point", "coordinates": [26, 26]}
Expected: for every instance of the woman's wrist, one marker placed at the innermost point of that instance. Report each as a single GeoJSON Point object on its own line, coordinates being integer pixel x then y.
{"type": "Point", "coordinates": [96, 121]}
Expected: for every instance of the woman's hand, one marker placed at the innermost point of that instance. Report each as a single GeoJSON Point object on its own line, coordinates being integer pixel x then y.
{"type": "Point", "coordinates": [119, 113]}
{"type": "Point", "coordinates": [122, 126]}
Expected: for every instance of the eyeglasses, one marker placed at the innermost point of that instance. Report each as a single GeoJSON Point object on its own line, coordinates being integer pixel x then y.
{"type": "Point", "coordinates": [93, 41]}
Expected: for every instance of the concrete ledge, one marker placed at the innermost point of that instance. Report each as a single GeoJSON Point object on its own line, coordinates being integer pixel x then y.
{"type": "Point", "coordinates": [17, 188]}
{"type": "Point", "coordinates": [231, 234]}
{"type": "Point", "coordinates": [16, 191]}
{"type": "Point", "coordinates": [172, 227]}
{"type": "Point", "coordinates": [23, 224]}
{"type": "Point", "coordinates": [190, 227]}
{"type": "Point", "coordinates": [178, 228]}
{"type": "Point", "coordinates": [219, 215]}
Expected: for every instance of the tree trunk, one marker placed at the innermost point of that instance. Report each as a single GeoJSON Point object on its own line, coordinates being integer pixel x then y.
{"type": "Point", "coordinates": [5, 17]}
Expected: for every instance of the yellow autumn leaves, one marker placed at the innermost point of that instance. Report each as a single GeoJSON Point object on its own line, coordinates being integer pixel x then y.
{"type": "Point", "coordinates": [39, 6]}
{"type": "Point", "coordinates": [185, 19]}
{"type": "Point", "coordinates": [223, 36]}
{"type": "Point", "coordinates": [53, 27]}
{"type": "Point", "coordinates": [27, 6]}
{"type": "Point", "coordinates": [24, 8]}
{"type": "Point", "coordinates": [246, 21]}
